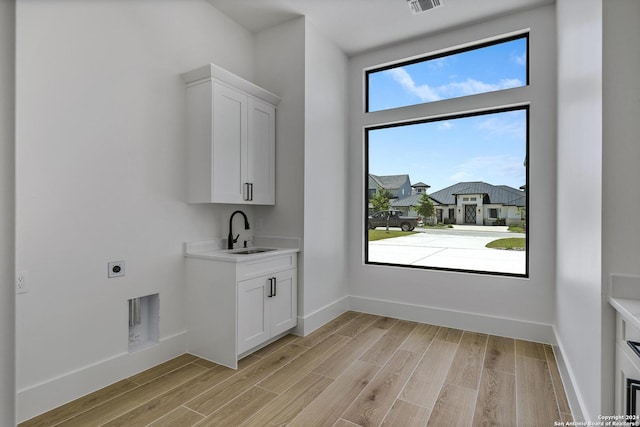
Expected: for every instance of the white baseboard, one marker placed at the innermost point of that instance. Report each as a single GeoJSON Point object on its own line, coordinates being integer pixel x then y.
{"type": "Point", "coordinates": [312, 321]}
{"type": "Point", "coordinates": [576, 402]}
{"type": "Point", "coordinates": [474, 322]}
{"type": "Point", "coordinates": [39, 398]}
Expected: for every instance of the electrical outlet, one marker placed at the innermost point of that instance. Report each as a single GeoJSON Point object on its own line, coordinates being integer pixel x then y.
{"type": "Point", "coordinates": [115, 269]}
{"type": "Point", "coordinates": [21, 282]}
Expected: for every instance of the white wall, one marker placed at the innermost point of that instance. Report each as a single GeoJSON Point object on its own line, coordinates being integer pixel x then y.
{"type": "Point", "coordinates": [309, 72]}
{"type": "Point", "coordinates": [579, 238]}
{"type": "Point", "coordinates": [325, 180]}
{"type": "Point", "coordinates": [7, 212]}
{"type": "Point", "coordinates": [101, 177]}
{"type": "Point", "coordinates": [279, 67]}
{"type": "Point", "coordinates": [620, 155]}
{"type": "Point", "coordinates": [501, 305]}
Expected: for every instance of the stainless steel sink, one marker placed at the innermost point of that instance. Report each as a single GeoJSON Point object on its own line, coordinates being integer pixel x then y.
{"type": "Point", "coordinates": [252, 251]}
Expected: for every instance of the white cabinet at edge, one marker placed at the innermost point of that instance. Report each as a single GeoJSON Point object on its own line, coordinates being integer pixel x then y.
{"type": "Point", "coordinates": [236, 308]}
{"type": "Point", "coordinates": [230, 138]}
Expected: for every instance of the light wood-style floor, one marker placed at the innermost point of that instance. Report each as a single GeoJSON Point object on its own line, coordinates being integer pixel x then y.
{"type": "Point", "coordinates": [358, 370]}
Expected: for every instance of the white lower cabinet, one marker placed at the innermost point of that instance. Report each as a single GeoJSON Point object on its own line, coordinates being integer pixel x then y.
{"type": "Point", "coordinates": [266, 308]}
{"type": "Point", "coordinates": [232, 308]}
{"type": "Point", "coordinates": [627, 391]}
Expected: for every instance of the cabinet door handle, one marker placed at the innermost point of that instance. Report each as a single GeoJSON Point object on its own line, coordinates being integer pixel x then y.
{"type": "Point", "coordinates": [245, 196]}
{"type": "Point", "coordinates": [251, 191]}
{"type": "Point", "coordinates": [275, 286]}
{"type": "Point", "coordinates": [270, 287]}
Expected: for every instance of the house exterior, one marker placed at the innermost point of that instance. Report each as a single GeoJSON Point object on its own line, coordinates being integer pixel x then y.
{"type": "Point", "coordinates": [480, 203]}
{"type": "Point", "coordinates": [398, 185]}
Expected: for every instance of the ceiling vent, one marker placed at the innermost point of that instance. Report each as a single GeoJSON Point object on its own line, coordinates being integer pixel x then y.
{"type": "Point", "coordinates": [419, 6]}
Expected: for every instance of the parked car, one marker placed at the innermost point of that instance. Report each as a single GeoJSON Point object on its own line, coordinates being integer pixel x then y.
{"type": "Point", "coordinates": [392, 218]}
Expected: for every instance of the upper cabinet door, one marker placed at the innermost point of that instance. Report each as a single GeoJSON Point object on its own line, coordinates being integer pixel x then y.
{"type": "Point", "coordinates": [229, 157]}
{"type": "Point", "coordinates": [261, 158]}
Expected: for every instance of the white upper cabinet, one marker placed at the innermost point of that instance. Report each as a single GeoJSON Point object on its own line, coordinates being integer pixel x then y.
{"type": "Point", "coordinates": [230, 139]}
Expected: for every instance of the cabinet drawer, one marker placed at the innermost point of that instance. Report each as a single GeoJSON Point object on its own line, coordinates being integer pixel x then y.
{"type": "Point", "coordinates": [247, 270]}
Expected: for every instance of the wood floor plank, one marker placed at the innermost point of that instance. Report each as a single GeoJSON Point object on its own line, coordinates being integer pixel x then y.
{"type": "Point", "coordinates": [536, 402]}
{"type": "Point", "coordinates": [420, 338]}
{"type": "Point", "coordinates": [449, 335]}
{"type": "Point", "coordinates": [466, 368]}
{"type": "Point", "coordinates": [204, 363]}
{"type": "Point", "coordinates": [384, 348]}
{"type": "Point", "coordinates": [384, 322]}
{"type": "Point", "coordinates": [240, 409]}
{"type": "Point", "coordinates": [80, 405]}
{"type": "Point", "coordinates": [138, 396]}
{"type": "Point", "coordinates": [424, 385]}
{"type": "Point", "coordinates": [566, 418]}
{"type": "Point", "coordinates": [290, 374]}
{"type": "Point", "coordinates": [454, 407]}
{"type": "Point", "coordinates": [370, 408]}
{"type": "Point", "coordinates": [321, 333]}
{"type": "Point", "coordinates": [352, 350]}
{"type": "Point", "coordinates": [167, 402]}
{"type": "Point", "coordinates": [357, 325]}
{"type": "Point", "coordinates": [404, 414]}
{"type": "Point", "coordinates": [276, 345]}
{"type": "Point", "coordinates": [344, 423]}
{"type": "Point", "coordinates": [496, 403]}
{"type": "Point", "coordinates": [163, 368]}
{"type": "Point", "coordinates": [501, 354]}
{"type": "Point", "coordinates": [216, 397]}
{"type": "Point", "coordinates": [332, 402]}
{"type": "Point", "coordinates": [558, 387]}
{"type": "Point", "coordinates": [289, 404]}
{"type": "Point", "coordinates": [530, 349]}
{"type": "Point", "coordinates": [180, 416]}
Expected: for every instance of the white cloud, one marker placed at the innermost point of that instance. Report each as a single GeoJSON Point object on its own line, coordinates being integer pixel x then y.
{"type": "Point", "coordinates": [472, 86]}
{"type": "Point", "coordinates": [427, 93]}
{"type": "Point", "coordinates": [424, 92]}
{"type": "Point", "coordinates": [504, 126]}
{"type": "Point", "coordinates": [446, 125]}
{"type": "Point", "coordinates": [520, 59]}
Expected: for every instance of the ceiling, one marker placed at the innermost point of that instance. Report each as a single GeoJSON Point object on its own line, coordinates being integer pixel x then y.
{"type": "Point", "coordinates": [360, 25]}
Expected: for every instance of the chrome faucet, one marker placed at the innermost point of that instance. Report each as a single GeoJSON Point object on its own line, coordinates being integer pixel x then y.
{"type": "Point", "coordinates": [230, 239]}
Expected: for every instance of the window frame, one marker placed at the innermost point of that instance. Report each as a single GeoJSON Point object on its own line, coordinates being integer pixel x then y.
{"type": "Point", "coordinates": [517, 103]}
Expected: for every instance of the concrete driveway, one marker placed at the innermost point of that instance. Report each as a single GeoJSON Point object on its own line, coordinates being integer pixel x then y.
{"type": "Point", "coordinates": [461, 247]}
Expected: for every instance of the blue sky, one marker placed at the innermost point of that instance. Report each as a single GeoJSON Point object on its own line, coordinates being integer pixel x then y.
{"type": "Point", "coordinates": [490, 148]}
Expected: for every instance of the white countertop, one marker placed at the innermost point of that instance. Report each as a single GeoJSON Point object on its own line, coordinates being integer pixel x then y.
{"type": "Point", "coordinates": [624, 296]}
{"type": "Point", "coordinates": [628, 308]}
{"type": "Point", "coordinates": [213, 249]}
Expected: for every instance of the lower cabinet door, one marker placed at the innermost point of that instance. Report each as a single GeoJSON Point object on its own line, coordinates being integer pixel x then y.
{"type": "Point", "coordinates": [284, 313]}
{"type": "Point", "coordinates": [253, 313]}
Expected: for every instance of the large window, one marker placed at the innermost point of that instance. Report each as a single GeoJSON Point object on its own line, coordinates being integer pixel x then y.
{"type": "Point", "coordinates": [449, 192]}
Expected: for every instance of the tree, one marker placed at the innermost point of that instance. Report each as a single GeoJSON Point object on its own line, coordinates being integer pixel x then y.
{"type": "Point", "coordinates": [425, 209]}
{"type": "Point", "coordinates": [380, 200]}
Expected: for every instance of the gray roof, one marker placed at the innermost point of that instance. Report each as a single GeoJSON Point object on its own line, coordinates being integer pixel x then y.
{"type": "Point", "coordinates": [497, 194]}
{"type": "Point", "coordinates": [420, 184]}
{"type": "Point", "coordinates": [389, 182]}
{"type": "Point", "coordinates": [413, 200]}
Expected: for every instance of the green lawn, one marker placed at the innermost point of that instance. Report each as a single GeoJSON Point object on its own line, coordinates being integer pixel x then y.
{"type": "Point", "coordinates": [516, 229]}
{"type": "Point", "coordinates": [510, 243]}
{"type": "Point", "coordinates": [384, 234]}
